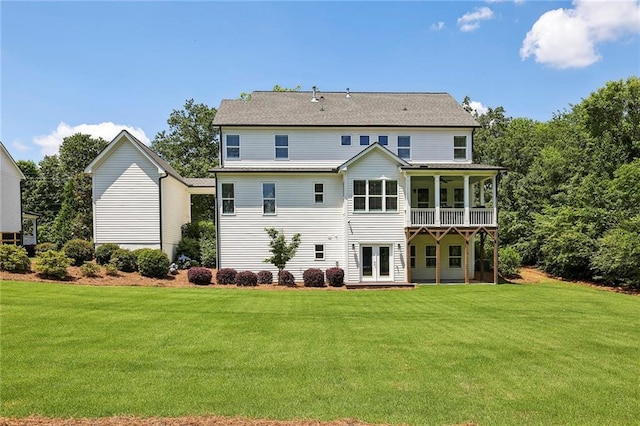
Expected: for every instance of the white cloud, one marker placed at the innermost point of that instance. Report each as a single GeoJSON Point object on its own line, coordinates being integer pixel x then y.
{"type": "Point", "coordinates": [478, 108]}
{"type": "Point", "coordinates": [471, 21]}
{"type": "Point", "coordinates": [19, 146]}
{"type": "Point", "coordinates": [438, 26]}
{"type": "Point", "coordinates": [107, 130]}
{"type": "Point", "coordinates": [504, 1]}
{"type": "Point", "coordinates": [567, 38]}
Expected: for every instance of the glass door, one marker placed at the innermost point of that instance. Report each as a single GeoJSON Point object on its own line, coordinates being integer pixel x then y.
{"type": "Point", "coordinates": [376, 263]}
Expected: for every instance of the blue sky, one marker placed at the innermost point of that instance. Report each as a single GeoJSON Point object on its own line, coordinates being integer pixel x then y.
{"type": "Point", "coordinates": [97, 67]}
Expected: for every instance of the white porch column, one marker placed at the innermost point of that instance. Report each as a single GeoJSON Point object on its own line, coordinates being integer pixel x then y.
{"type": "Point", "coordinates": [407, 200]}
{"type": "Point", "coordinates": [466, 201]}
{"type": "Point", "coordinates": [481, 183]}
{"type": "Point", "coordinates": [494, 199]}
{"type": "Point", "coordinates": [436, 197]}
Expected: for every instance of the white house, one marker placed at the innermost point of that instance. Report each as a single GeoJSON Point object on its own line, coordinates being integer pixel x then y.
{"type": "Point", "coordinates": [139, 200]}
{"type": "Point", "coordinates": [380, 184]}
{"type": "Point", "coordinates": [12, 216]}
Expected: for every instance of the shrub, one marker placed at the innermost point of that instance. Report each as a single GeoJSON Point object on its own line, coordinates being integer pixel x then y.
{"type": "Point", "coordinates": [247, 278]}
{"type": "Point", "coordinates": [104, 253]}
{"type": "Point", "coordinates": [199, 275]}
{"type": "Point", "coordinates": [208, 250]}
{"type": "Point", "coordinates": [153, 263]}
{"type": "Point", "coordinates": [124, 260]}
{"type": "Point", "coordinates": [265, 277]}
{"type": "Point", "coordinates": [14, 259]}
{"type": "Point", "coordinates": [286, 278]}
{"type": "Point", "coordinates": [313, 277]}
{"type": "Point", "coordinates": [509, 261]}
{"type": "Point", "coordinates": [185, 262]}
{"type": "Point", "coordinates": [53, 264]}
{"type": "Point", "coordinates": [226, 276]}
{"type": "Point", "coordinates": [189, 247]}
{"type": "Point", "coordinates": [43, 247]}
{"type": "Point", "coordinates": [79, 251]}
{"type": "Point", "coordinates": [111, 269]}
{"type": "Point", "coordinates": [617, 259]}
{"type": "Point", "coordinates": [335, 277]}
{"type": "Point", "coordinates": [89, 269]}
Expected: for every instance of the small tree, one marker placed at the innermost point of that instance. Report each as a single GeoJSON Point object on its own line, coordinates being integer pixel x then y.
{"type": "Point", "coordinates": [282, 252]}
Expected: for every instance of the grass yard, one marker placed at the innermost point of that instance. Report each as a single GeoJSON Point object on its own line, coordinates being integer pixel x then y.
{"type": "Point", "coordinates": [507, 354]}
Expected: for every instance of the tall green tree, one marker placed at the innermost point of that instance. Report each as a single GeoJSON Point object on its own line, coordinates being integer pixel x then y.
{"type": "Point", "coordinates": [77, 151]}
{"type": "Point", "coordinates": [191, 145]}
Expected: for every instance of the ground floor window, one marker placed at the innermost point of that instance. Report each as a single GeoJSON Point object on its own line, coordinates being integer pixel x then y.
{"type": "Point", "coordinates": [319, 252]}
{"type": "Point", "coordinates": [455, 256]}
{"type": "Point", "coordinates": [413, 256]}
{"type": "Point", "coordinates": [430, 256]}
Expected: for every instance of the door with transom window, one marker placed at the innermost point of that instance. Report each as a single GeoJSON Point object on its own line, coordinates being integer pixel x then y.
{"type": "Point", "coordinates": [377, 261]}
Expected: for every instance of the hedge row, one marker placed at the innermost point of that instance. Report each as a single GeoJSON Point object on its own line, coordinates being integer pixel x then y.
{"type": "Point", "coordinates": [312, 277]}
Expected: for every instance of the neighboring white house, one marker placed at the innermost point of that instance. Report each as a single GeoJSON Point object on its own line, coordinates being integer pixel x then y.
{"type": "Point", "coordinates": [10, 198]}
{"type": "Point", "coordinates": [380, 184]}
{"type": "Point", "coordinates": [139, 200]}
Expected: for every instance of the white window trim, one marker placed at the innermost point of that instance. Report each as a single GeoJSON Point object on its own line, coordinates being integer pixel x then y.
{"type": "Point", "coordinates": [350, 140]}
{"type": "Point", "coordinates": [222, 199]}
{"type": "Point", "coordinates": [383, 196]}
{"type": "Point", "coordinates": [226, 148]}
{"type": "Point", "coordinates": [466, 148]}
{"type": "Point", "coordinates": [275, 148]}
{"type": "Point", "coordinates": [316, 193]}
{"type": "Point", "coordinates": [316, 251]}
{"type": "Point", "coordinates": [275, 198]}
{"type": "Point", "coordinates": [403, 147]}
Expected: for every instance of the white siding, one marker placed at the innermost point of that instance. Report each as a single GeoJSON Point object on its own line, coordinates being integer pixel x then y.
{"type": "Point", "coordinates": [176, 211]}
{"type": "Point", "coordinates": [244, 244]}
{"type": "Point", "coordinates": [126, 199]}
{"type": "Point", "coordinates": [422, 273]}
{"type": "Point", "coordinates": [366, 228]}
{"type": "Point", "coordinates": [10, 220]}
{"type": "Point", "coordinates": [321, 147]}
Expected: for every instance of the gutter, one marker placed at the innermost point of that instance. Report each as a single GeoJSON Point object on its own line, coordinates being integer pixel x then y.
{"type": "Point", "coordinates": [21, 221]}
{"type": "Point", "coordinates": [217, 220]}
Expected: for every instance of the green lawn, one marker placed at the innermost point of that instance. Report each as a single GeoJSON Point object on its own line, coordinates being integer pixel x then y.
{"type": "Point", "coordinates": [506, 354]}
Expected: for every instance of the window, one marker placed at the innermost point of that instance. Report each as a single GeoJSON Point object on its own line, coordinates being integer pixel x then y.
{"type": "Point", "coordinates": [455, 256]}
{"type": "Point", "coordinates": [404, 147]}
{"type": "Point", "coordinates": [364, 140]}
{"type": "Point", "coordinates": [375, 195]}
{"type": "Point", "coordinates": [233, 147]}
{"type": "Point", "coordinates": [458, 198]}
{"type": "Point", "coordinates": [413, 256]}
{"type": "Point", "coordinates": [423, 198]}
{"type": "Point", "coordinates": [430, 256]}
{"type": "Point", "coordinates": [269, 198]}
{"type": "Point", "coordinates": [318, 193]}
{"type": "Point", "coordinates": [460, 147]}
{"type": "Point", "coordinates": [443, 197]}
{"type": "Point", "coordinates": [228, 198]}
{"type": "Point", "coordinates": [319, 252]}
{"type": "Point", "coordinates": [282, 147]}
{"type": "Point", "coordinates": [346, 139]}
{"type": "Point", "coordinates": [383, 140]}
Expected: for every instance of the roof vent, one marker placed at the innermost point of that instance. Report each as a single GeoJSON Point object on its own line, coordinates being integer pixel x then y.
{"type": "Point", "coordinates": [348, 93]}
{"type": "Point", "coordinates": [314, 99]}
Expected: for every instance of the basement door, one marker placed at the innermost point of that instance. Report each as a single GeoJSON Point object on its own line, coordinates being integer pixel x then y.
{"type": "Point", "coordinates": [376, 262]}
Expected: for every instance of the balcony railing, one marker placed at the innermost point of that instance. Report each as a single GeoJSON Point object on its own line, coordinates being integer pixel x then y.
{"type": "Point", "coordinates": [452, 217]}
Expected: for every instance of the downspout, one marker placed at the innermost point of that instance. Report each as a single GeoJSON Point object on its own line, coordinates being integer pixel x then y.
{"type": "Point", "coordinates": [473, 130]}
{"type": "Point", "coordinates": [217, 222]}
{"type": "Point", "coordinates": [21, 221]}
{"type": "Point", "coordinates": [160, 203]}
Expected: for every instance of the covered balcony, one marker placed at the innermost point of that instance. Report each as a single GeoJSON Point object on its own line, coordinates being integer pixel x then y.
{"type": "Point", "coordinates": [465, 199]}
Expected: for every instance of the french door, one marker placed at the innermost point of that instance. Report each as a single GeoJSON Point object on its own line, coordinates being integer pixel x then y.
{"type": "Point", "coordinates": [376, 262]}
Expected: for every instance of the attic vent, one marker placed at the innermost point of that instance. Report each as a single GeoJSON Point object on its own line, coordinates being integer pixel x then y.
{"type": "Point", "coordinates": [314, 99]}
{"type": "Point", "coordinates": [348, 93]}
{"type": "Point", "coordinates": [404, 109]}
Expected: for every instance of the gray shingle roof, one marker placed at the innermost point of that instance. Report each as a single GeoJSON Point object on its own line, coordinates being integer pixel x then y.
{"type": "Point", "coordinates": [452, 166]}
{"type": "Point", "coordinates": [335, 109]}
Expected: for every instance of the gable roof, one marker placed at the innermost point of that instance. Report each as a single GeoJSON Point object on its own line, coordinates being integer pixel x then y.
{"type": "Point", "coordinates": [12, 161]}
{"type": "Point", "coordinates": [371, 148]}
{"type": "Point", "coordinates": [378, 109]}
{"type": "Point", "coordinates": [159, 162]}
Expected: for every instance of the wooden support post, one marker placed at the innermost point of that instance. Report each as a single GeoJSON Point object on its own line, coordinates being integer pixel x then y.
{"type": "Point", "coordinates": [483, 237]}
{"type": "Point", "coordinates": [495, 257]}
{"type": "Point", "coordinates": [466, 260]}
{"type": "Point", "coordinates": [438, 260]}
{"type": "Point", "coordinates": [408, 262]}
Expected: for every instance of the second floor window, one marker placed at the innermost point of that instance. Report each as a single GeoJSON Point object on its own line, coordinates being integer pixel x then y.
{"type": "Point", "coordinates": [375, 195]}
{"type": "Point", "coordinates": [228, 198]}
{"type": "Point", "coordinates": [459, 147]}
{"type": "Point", "coordinates": [458, 198]}
{"type": "Point", "coordinates": [269, 198]}
{"type": "Point", "coordinates": [233, 147]}
{"type": "Point", "coordinates": [318, 193]}
{"type": "Point", "coordinates": [404, 147]}
{"type": "Point", "coordinates": [282, 147]}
